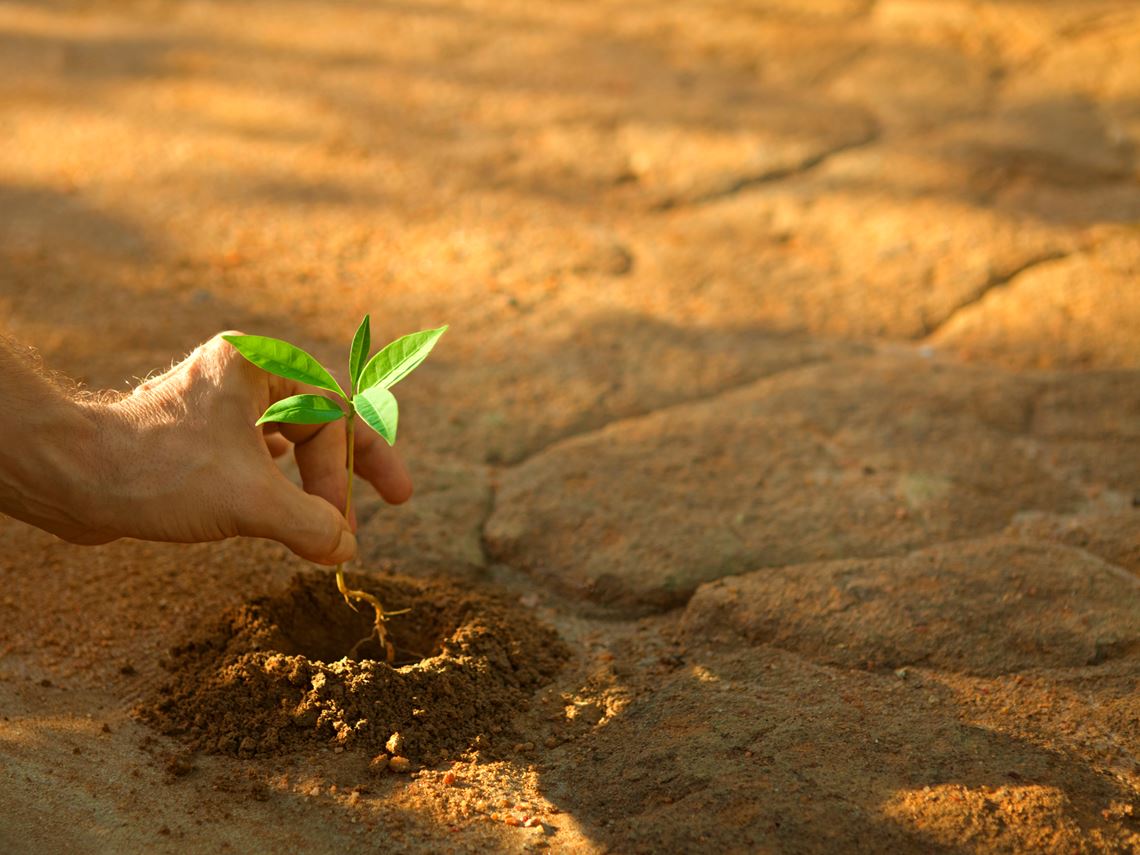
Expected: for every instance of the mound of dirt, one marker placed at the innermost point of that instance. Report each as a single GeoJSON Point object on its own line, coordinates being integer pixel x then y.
{"type": "Point", "coordinates": [289, 672]}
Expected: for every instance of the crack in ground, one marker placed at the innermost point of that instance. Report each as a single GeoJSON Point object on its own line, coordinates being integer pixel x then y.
{"type": "Point", "coordinates": [993, 283]}
{"type": "Point", "coordinates": [639, 414]}
{"type": "Point", "coordinates": [769, 177]}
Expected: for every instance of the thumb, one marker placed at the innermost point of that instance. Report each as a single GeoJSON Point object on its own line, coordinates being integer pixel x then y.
{"type": "Point", "coordinates": [307, 524]}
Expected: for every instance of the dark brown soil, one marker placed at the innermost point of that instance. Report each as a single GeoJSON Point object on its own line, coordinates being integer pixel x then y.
{"type": "Point", "coordinates": [286, 672]}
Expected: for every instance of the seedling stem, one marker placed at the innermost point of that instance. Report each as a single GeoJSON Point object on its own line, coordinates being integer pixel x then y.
{"type": "Point", "coordinates": [362, 596]}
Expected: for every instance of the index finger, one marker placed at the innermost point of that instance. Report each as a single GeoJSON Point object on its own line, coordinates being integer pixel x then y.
{"type": "Point", "coordinates": [373, 459]}
{"type": "Point", "coordinates": [380, 465]}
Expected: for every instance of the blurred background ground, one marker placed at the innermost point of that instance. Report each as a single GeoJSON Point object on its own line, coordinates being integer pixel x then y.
{"type": "Point", "coordinates": [794, 375]}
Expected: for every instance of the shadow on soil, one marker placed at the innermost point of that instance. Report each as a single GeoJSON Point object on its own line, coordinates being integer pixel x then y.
{"type": "Point", "coordinates": [762, 749]}
{"type": "Point", "coordinates": [656, 93]}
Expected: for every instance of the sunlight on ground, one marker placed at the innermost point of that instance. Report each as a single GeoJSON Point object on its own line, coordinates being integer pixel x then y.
{"type": "Point", "coordinates": [37, 731]}
{"type": "Point", "coordinates": [948, 813]}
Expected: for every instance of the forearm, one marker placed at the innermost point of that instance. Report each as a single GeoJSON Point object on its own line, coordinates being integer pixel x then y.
{"type": "Point", "coordinates": [48, 454]}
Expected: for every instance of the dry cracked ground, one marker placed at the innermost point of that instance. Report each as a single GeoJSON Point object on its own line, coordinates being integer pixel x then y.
{"type": "Point", "coordinates": [794, 377]}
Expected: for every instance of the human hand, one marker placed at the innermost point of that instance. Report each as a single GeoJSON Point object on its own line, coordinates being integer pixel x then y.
{"type": "Point", "coordinates": [179, 459]}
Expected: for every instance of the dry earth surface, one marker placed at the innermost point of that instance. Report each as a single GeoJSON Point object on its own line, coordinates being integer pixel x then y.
{"type": "Point", "coordinates": [794, 379]}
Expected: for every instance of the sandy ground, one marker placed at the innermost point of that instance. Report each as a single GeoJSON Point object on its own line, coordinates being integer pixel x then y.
{"type": "Point", "coordinates": [794, 379]}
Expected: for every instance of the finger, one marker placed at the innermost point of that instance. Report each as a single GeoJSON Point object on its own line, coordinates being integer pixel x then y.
{"type": "Point", "coordinates": [307, 524]}
{"type": "Point", "coordinates": [381, 465]}
{"type": "Point", "coordinates": [321, 460]}
{"type": "Point", "coordinates": [277, 444]}
{"type": "Point", "coordinates": [298, 434]}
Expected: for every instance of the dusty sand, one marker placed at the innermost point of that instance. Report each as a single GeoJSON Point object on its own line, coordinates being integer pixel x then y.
{"type": "Point", "coordinates": [777, 484]}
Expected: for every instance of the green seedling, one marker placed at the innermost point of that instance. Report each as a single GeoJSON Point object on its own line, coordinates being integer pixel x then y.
{"type": "Point", "coordinates": [369, 396]}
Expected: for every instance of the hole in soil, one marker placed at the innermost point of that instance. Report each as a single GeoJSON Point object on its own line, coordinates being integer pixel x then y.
{"type": "Point", "coordinates": [272, 675]}
{"type": "Point", "coordinates": [316, 622]}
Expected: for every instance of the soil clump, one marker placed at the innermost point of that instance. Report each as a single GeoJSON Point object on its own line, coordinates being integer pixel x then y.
{"type": "Point", "coordinates": [290, 671]}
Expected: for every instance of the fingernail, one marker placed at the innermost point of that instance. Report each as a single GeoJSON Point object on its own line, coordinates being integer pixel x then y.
{"type": "Point", "coordinates": [345, 548]}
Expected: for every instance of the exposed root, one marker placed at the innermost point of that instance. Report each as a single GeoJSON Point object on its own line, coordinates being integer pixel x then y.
{"type": "Point", "coordinates": [380, 632]}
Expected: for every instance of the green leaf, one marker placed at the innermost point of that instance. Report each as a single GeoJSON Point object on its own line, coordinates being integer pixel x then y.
{"type": "Point", "coordinates": [283, 359]}
{"type": "Point", "coordinates": [303, 410]}
{"type": "Point", "coordinates": [399, 359]}
{"type": "Point", "coordinates": [358, 353]}
{"type": "Point", "coordinates": [377, 406]}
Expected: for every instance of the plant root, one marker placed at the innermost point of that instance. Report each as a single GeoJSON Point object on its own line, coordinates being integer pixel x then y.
{"type": "Point", "coordinates": [380, 631]}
